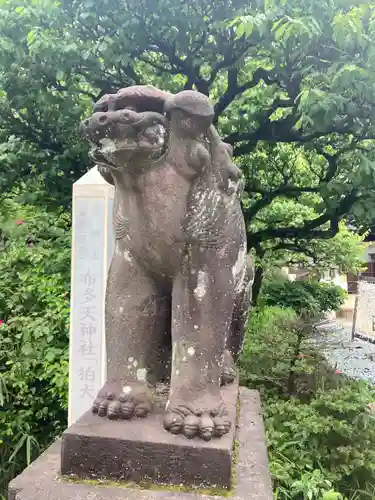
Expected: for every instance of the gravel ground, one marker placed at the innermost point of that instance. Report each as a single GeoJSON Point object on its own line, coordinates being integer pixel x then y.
{"type": "Point", "coordinates": [355, 358]}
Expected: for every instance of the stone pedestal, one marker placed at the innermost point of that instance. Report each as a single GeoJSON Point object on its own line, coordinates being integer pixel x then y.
{"type": "Point", "coordinates": [251, 480]}
{"type": "Point", "coordinates": [141, 450]}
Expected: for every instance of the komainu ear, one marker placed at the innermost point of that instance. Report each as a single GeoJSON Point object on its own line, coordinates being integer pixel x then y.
{"type": "Point", "coordinates": [192, 102]}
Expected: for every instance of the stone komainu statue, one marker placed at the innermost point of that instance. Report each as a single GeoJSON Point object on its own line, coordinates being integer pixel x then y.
{"type": "Point", "coordinates": [179, 284]}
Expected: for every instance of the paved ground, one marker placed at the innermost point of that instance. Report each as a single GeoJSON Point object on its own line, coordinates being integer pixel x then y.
{"type": "Point", "coordinates": [355, 358]}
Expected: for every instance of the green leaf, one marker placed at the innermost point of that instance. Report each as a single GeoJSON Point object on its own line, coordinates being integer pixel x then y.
{"type": "Point", "coordinates": [332, 495]}
{"type": "Point", "coordinates": [249, 26]}
{"type": "Point", "coordinates": [31, 37]}
{"type": "Point", "coordinates": [240, 30]}
{"type": "Point", "coordinates": [21, 441]}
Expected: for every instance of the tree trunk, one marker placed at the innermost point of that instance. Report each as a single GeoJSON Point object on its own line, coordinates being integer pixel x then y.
{"type": "Point", "coordinates": [291, 384]}
{"type": "Point", "coordinates": [257, 284]}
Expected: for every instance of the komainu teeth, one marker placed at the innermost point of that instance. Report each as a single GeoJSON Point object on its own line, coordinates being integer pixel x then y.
{"type": "Point", "coordinates": [108, 145]}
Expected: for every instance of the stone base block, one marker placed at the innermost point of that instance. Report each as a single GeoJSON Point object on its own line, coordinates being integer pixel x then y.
{"type": "Point", "coordinates": [42, 480]}
{"type": "Point", "coordinates": [142, 450]}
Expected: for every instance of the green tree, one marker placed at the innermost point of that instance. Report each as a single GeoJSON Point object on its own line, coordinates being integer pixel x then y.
{"type": "Point", "coordinates": [34, 319]}
{"type": "Point", "coordinates": [344, 252]}
{"type": "Point", "coordinates": [293, 84]}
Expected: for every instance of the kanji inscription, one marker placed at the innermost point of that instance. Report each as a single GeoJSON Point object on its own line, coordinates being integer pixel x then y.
{"type": "Point", "coordinates": [87, 316]}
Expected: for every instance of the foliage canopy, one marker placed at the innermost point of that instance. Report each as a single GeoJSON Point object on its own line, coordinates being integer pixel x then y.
{"type": "Point", "coordinates": [293, 83]}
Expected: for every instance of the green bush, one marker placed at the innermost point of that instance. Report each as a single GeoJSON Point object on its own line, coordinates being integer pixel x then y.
{"type": "Point", "coordinates": [310, 297]}
{"type": "Point", "coordinates": [330, 297]}
{"type": "Point", "coordinates": [268, 348]}
{"type": "Point", "coordinates": [332, 433]}
{"type": "Point", "coordinates": [35, 275]}
{"type": "Point", "coordinates": [321, 436]}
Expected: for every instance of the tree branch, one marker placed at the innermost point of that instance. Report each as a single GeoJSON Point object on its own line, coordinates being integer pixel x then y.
{"type": "Point", "coordinates": [275, 131]}
{"type": "Point", "coordinates": [269, 196]}
{"type": "Point", "coordinates": [309, 229]}
{"type": "Point", "coordinates": [160, 67]}
{"type": "Point", "coordinates": [332, 160]}
{"type": "Point", "coordinates": [285, 190]}
{"type": "Point", "coordinates": [233, 89]}
{"type": "Point", "coordinates": [295, 247]}
{"type": "Point", "coordinates": [62, 88]}
{"type": "Point", "coordinates": [231, 57]}
{"type": "Point", "coordinates": [23, 128]}
{"type": "Point", "coordinates": [271, 132]}
{"type": "Point", "coordinates": [183, 66]}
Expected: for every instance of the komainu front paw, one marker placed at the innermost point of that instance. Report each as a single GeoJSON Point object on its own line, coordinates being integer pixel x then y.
{"type": "Point", "coordinates": [193, 421]}
{"type": "Point", "coordinates": [119, 400]}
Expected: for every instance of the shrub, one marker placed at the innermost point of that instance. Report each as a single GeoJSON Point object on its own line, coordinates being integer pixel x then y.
{"type": "Point", "coordinates": [330, 297]}
{"type": "Point", "coordinates": [321, 437]}
{"type": "Point", "coordinates": [310, 297]}
{"type": "Point", "coordinates": [34, 270]}
{"type": "Point", "coordinates": [268, 348]}
{"type": "Point", "coordinates": [332, 434]}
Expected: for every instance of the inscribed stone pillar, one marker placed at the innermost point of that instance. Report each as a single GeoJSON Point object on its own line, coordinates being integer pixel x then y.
{"type": "Point", "coordinates": [92, 249]}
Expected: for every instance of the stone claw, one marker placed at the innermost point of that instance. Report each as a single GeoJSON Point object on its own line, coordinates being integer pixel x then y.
{"type": "Point", "coordinates": [206, 427]}
{"type": "Point", "coordinates": [95, 405]}
{"type": "Point", "coordinates": [221, 426]}
{"type": "Point", "coordinates": [191, 426]}
{"type": "Point", "coordinates": [113, 410]}
{"type": "Point", "coordinates": [102, 410]}
{"type": "Point", "coordinates": [117, 404]}
{"type": "Point", "coordinates": [173, 423]}
{"type": "Point", "coordinates": [127, 410]}
{"type": "Point", "coordinates": [197, 423]}
{"type": "Point", "coordinates": [229, 369]}
{"type": "Point", "coordinates": [142, 410]}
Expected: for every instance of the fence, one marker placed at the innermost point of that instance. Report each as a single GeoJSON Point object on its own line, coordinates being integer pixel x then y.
{"type": "Point", "coordinates": [364, 309]}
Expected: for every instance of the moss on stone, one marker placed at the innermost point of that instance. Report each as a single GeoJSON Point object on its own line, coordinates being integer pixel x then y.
{"type": "Point", "coordinates": [145, 485]}
{"type": "Point", "coordinates": [236, 445]}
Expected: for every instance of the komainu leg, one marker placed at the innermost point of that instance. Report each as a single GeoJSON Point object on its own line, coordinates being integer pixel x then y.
{"type": "Point", "coordinates": [136, 319]}
{"type": "Point", "coordinates": [236, 334]}
{"type": "Point", "coordinates": [202, 305]}
{"type": "Point", "coordinates": [242, 303]}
